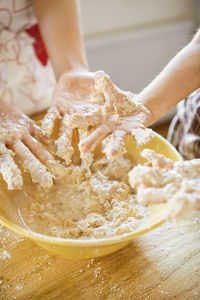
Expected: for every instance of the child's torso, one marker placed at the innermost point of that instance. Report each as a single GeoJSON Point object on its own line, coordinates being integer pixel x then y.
{"type": "Point", "coordinates": [26, 76]}
{"type": "Point", "coordinates": [16, 15]}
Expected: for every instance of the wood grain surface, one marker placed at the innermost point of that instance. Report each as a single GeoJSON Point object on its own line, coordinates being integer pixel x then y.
{"type": "Point", "coordinates": [163, 264]}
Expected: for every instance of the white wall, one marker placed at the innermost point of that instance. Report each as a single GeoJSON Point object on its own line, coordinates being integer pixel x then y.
{"type": "Point", "coordinates": [133, 58]}
{"type": "Point", "coordinates": [132, 40]}
{"type": "Point", "coordinates": [103, 16]}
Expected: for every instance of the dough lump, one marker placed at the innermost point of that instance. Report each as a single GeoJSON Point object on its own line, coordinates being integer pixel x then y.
{"type": "Point", "coordinates": [94, 203]}
{"type": "Point", "coordinates": [176, 183]}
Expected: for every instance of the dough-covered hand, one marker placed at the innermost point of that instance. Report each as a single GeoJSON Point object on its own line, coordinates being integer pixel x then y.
{"type": "Point", "coordinates": [121, 115]}
{"type": "Point", "coordinates": [19, 143]}
{"type": "Point", "coordinates": [93, 104]}
{"type": "Point", "coordinates": [165, 181]}
{"type": "Point", "coordinates": [72, 105]}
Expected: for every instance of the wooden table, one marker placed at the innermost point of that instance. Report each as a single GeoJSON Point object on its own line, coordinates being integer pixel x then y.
{"type": "Point", "coordinates": [163, 264]}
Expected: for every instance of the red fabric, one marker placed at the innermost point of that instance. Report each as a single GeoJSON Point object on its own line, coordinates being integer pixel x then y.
{"type": "Point", "coordinates": [38, 44]}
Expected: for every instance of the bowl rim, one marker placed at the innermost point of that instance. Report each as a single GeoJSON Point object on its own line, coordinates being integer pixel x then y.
{"type": "Point", "coordinates": [88, 242]}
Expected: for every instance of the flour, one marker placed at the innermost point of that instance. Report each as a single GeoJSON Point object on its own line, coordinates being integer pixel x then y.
{"type": "Point", "coordinates": [10, 172]}
{"type": "Point", "coordinates": [94, 203]}
{"type": "Point", "coordinates": [4, 254]}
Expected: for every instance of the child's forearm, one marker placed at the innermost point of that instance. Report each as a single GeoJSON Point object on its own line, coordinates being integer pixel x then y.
{"type": "Point", "coordinates": [178, 79]}
{"type": "Point", "coordinates": [60, 28]}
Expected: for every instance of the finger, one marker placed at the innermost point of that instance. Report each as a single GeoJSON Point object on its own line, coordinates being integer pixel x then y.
{"type": "Point", "coordinates": [44, 156]}
{"type": "Point", "coordinates": [114, 145]}
{"type": "Point", "coordinates": [104, 85]}
{"type": "Point", "coordinates": [86, 158]}
{"type": "Point", "coordinates": [48, 122]}
{"type": "Point", "coordinates": [9, 170]}
{"type": "Point", "coordinates": [157, 160]}
{"type": "Point", "coordinates": [142, 135]}
{"type": "Point", "coordinates": [37, 133]}
{"type": "Point", "coordinates": [151, 195]}
{"type": "Point", "coordinates": [4, 150]}
{"type": "Point", "coordinates": [197, 202]}
{"type": "Point", "coordinates": [89, 144]}
{"type": "Point", "coordinates": [29, 162]}
{"type": "Point", "coordinates": [83, 121]}
{"type": "Point", "coordinates": [64, 142]}
{"type": "Point", "coordinates": [179, 206]}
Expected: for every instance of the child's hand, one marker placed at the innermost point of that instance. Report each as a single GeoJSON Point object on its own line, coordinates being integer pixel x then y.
{"type": "Point", "coordinates": [71, 99]}
{"type": "Point", "coordinates": [86, 99]}
{"type": "Point", "coordinates": [18, 140]}
{"type": "Point", "coordinates": [165, 181]}
{"type": "Point", "coordinates": [121, 115]}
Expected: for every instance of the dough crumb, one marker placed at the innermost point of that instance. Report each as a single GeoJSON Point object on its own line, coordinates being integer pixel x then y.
{"type": "Point", "coordinates": [96, 203]}
{"type": "Point", "coordinates": [175, 183]}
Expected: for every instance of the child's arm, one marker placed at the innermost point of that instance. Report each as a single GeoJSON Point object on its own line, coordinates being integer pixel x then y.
{"type": "Point", "coordinates": [178, 79]}
{"type": "Point", "coordinates": [60, 27]}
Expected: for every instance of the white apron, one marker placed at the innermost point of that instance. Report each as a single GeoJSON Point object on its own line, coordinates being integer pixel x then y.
{"type": "Point", "coordinates": [26, 75]}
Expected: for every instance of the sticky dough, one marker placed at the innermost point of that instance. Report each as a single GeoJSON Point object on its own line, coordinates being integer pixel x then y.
{"type": "Point", "coordinates": [93, 203]}
{"type": "Point", "coordinates": [123, 109]}
{"type": "Point", "coordinates": [176, 183]}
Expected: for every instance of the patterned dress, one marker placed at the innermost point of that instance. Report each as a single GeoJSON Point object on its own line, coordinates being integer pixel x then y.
{"type": "Point", "coordinates": [184, 131]}
{"type": "Point", "coordinates": [26, 76]}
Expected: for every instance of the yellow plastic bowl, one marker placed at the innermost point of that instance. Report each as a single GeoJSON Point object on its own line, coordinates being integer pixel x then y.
{"type": "Point", "coordinates": [75, 248]}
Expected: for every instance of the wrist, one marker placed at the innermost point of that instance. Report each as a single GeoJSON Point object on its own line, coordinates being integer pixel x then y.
{"type": "Point", "coordinates": [148, 117]}
{"type": "Point", "coordinates": [83, 68]}
{"type": "Point", "coordinates": [69, 63]}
